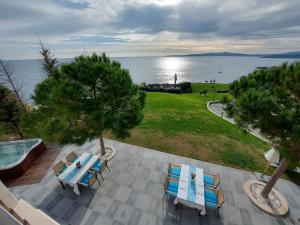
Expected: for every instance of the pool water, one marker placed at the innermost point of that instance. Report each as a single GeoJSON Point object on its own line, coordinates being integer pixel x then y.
{"type": "Point", "coordinates": [11, 152]}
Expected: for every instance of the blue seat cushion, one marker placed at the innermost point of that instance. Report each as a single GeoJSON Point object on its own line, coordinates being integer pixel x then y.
{"type": "Point", "coordinates": [210, 205]}
{"type": "Point", "coordinates": [86, 178]}
{"type": "Point", "coordinates": [173, 187]}
{"type": "Point", "coordinates": [64, 168]}
{"type": "Point", "coordinates": [208, 179]}
{"type": "Point", "coordinates": [75, 158]}
{"type": "Point", "coordinates": [97, 165]}
{"type": "Point", "coordinates": [175, 171]}
{"type": "Point", "coordinates": [211, 197]}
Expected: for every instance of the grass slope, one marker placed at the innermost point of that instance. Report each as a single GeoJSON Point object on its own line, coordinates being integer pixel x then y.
{"type": "Point", "coordinates": [182, 125]}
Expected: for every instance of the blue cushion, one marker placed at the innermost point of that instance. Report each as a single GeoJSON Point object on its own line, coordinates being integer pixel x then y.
{"type": "Point", "coordinates": [75, 158]}
{"type": "Point", "coordinates": [208, 179]}
{"type": "Point", "coordinates": [64, 168]}
{"type": "Point", "coordinates": [86, 178]}
{"type": "Point", "coordinates": [175, 171]}
{"type": "Point", "coordinates": [173, 184]}
{"type": "Point", "coordinates": [210, 205]}
{"type": "Point", "coordinates": [97, 165]}
{"type": "Point", "coordinates": [211, 197]}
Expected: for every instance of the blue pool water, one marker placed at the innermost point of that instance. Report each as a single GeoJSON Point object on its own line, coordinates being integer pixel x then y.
{"type": "Point", "coordinates": [12, 152]}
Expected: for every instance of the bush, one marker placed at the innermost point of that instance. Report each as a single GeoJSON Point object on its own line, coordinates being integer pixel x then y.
{"type": "Point", "coordinates": [185, 87]}
{"type": "Point", "coordinates": [225, 99]}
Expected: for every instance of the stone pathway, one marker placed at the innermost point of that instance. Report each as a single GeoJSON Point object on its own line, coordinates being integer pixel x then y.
{"type": "Point", "coordinates": [132, 194]}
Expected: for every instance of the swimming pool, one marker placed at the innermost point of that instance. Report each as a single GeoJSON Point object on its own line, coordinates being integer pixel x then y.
{"type": "Point", "coordinates": [17, 156]}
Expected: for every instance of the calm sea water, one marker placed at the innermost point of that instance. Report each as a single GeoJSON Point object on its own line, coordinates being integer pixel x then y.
{"type": "Point", "coordinates": [159, 69]}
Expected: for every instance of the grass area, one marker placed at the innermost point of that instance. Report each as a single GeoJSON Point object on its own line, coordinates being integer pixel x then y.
{"type": "Point", "coordinates": [182, 125]}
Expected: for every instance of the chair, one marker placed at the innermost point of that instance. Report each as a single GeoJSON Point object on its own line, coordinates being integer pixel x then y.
{"type": "Point", "coordinates": [212, 180]}
{"type": "Point", "coordinates": [71, 157]}
{"type": "Point", "coordinates": [58, 168]}
{"type": "Point", "coordinates": [89, 179]}
{"type": "Point", "coordinates": [100, 167]}
{"type": "Point", "coordinates": [214, 199]}
{"type": "Point", "coordinates": [174, 170]}
{"type": "Point", "coordinates": [171, 186]}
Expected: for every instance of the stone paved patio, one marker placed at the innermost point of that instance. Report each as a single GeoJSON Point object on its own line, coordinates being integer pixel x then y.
{"type": "Point", "coordinates": [132, 194]}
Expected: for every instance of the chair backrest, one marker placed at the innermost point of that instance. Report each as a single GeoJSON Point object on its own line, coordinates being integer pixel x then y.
{"type": "Point", "coordinates": [58, 167]}
{"type": "Point", "coordinates": [221, 199]}
{"type": "Point", "coordinates": [92, 180]}
{"type": "Point", "coordinates": [216, 180]}
{"type": "Point", "coordinates": [103, 166]}
{"type": "Point", "coordinates": [166, 184]}
{"type": "Point", "coordinates": [71, 156]}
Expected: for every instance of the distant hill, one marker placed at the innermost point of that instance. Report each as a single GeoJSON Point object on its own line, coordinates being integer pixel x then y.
{"type": "Point", "coordinates": [283, 55]}
{"type": "Point", "coordinates": [276, 55]}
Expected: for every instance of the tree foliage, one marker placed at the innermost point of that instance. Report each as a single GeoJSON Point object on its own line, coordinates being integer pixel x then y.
{"type": "Point", "coordinates": [10, 111]}
{"type": "Point", "coordinates": [81, 100]}
{"type": "Point", "coordinates": [269, 99]}
{"type": "Point", "coordinates": [49, 62]}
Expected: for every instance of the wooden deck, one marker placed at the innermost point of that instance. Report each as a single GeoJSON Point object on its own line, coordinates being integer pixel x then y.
{"type": "Point", "coordinates": [38, 169]}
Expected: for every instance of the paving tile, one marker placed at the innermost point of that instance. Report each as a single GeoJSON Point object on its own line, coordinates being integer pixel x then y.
{"type": "Point", "coordinates": [147, 219]}
{"type": "Point", "coordinates": [122, 194]}
{"type": "Point", "coordinates": [123, 213]}
{"type": "Point", "coordinates": [232, 214]}
{"type": "Point", "coordinates": [103, 204]}
{"type": "Point", "coordinates": [142, 201]}
{"type": "Point", "coordinates": [139, 184]}
{"type": "Point", "coordinates": [153, 205]}
{"type": "Point", "coordinates": [135, 217]}
{"type": "Point", "coordinates": [62, 207]}
{"type": "Point", "coordinates": [229, 199]}
{"type": "Point", "coordinates": [239, 187]}
{"type": "Point", "coordinates": [149, 187]}
{"type": "Point", "coordinates": [246, 217]}
{"type": "Point", "coordinates": [103, 220]}
{"type": "Point", "coordinates": [69, 213]}
{"type": "Point", "coordinates": [91, 219]}
{"type": "Point", "coordinates": [132, 197]}
{"type": "Point", "coordinates": [113, 209]}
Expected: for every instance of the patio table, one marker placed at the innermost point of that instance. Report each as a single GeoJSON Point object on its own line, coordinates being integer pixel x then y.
{"type": "Point", "coordinates": [191, 192]}
{"type": "Point", "coordinates": [72, 175]}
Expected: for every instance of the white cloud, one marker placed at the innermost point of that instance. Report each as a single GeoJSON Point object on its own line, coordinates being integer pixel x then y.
{"type": "Point", "coordinates": [152, 27]}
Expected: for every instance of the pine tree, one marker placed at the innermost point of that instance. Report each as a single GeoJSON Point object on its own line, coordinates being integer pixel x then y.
{"type": "Point", "coordinates": [81, 100]}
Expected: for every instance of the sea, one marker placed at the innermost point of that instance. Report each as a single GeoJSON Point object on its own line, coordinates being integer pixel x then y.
{"type": "Point", "coordinates": [221, 69]}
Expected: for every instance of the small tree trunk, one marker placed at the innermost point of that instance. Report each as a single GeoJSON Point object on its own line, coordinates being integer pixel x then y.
{"type": "Point", "coordinates": [276, 175]}
{"type": "Point", "coordinates": [102, 145]}
{"type": "Point", "coordinates": [18, 129]}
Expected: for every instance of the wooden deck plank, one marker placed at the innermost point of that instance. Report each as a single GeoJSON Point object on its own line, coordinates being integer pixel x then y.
{"type": "Point", "coordinates": [38, 169]}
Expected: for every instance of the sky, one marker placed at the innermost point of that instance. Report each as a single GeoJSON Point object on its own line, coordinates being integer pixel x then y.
{"type": "Point", "coordinates": [147, 27]}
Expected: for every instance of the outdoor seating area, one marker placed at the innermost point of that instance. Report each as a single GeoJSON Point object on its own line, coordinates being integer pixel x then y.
{"type": "Point", "coordinates": [142, 186]}
{"type": "Point", "coordinates": [193, 188]}
{"type": "Point", "coordinates": [80, 170]}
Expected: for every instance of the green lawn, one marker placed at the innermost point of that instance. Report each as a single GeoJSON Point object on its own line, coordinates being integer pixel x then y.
{"type": "Point", "coordinates": [182, 125]}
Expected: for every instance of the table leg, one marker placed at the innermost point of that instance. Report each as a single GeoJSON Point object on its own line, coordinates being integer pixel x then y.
{"type": "Point", "coordinates": [76, 190]}
{"type": "Point", "coordinates": [203, 211]}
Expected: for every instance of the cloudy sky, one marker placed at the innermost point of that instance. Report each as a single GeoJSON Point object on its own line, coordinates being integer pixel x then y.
{"type": "Point", "coordinates": [147, 27]}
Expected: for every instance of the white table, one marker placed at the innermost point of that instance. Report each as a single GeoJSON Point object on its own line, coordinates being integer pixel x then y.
{"type": "Point", "coordinates": [191, 193]}
{"type": "Point", "coordinates": [73, 175]}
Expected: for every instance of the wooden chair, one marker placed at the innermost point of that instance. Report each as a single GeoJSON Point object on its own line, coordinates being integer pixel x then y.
{"type": "Point", "coordinates": [89, 179]}
{"type": "Point", "coordinates": [58, 168]}
{"type": "Point", "coordinates": [71, 157]}
{"type": "Point", "coordinates": [212, 180]}
{"type": "Point", "coordinates": [214, 199]}
{"type": "Point", "coordinates": [171, 186]}
{"type": "Point", "coordinates": [100, 167]}
{"type": "Point", "coordinates": [174, 170]}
